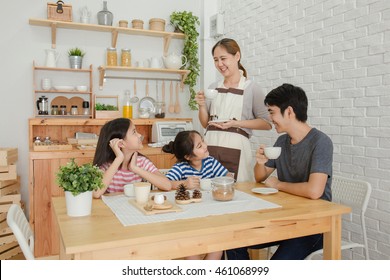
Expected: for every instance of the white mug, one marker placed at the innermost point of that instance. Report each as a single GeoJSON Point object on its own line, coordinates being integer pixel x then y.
{"type": "Point", "coordinates": [142, 191]}
{"type": "Point", "coordinates": [128, 190]}
{"type": "Point", "coordinates": [205, 184]}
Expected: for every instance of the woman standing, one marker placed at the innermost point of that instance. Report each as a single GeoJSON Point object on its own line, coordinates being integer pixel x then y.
{"type": "Point", "coordinates": [238, 108]}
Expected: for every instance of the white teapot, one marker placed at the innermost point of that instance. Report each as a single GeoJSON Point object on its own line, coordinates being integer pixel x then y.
{"type": "Point", "coordinates": [174, 61]}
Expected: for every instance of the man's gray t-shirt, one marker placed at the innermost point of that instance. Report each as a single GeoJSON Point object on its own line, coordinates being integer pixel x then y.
{"type": "Point", "coordinates": [314, 154]}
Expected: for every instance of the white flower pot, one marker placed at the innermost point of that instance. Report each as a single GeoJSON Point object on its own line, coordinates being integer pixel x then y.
{"type": "Point", "coordinates": [79, 205]}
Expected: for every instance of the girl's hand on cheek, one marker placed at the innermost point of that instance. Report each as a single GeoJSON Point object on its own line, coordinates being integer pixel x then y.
{"type": "Point", "coordinates": [116, 145]}
{"type": "Point", "coordinates": [133, 162]}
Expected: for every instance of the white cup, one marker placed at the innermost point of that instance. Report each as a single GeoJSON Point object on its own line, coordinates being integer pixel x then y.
{"type": "Point", "coordinates": [128, 190]}
{"type": "Point", "coordinates": [205, 184]}
{"type": "Point", "coordinates": [272, 152]}
{"type": "Point", "coordinates": [142, 191]}
{"type": "Point", "coordinates": [210, 93]}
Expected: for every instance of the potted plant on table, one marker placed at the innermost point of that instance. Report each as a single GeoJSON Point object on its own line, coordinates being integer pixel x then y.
{"type": "Point", "coordinates": [76, 58]}
{"type": "Point", "coordinates": [78, 182]}
{"type": "Point", "coordinates": [187, 23]}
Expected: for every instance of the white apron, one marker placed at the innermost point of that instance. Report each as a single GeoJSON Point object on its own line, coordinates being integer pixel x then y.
{"type": "Point", "coordinates": [232, 148]}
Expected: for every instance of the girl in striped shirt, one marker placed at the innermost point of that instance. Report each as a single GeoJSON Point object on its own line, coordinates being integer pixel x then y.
{"type": "Point", "coordinates": [194, 162]}
{"type": "Point", "coordinates": [117, 155]}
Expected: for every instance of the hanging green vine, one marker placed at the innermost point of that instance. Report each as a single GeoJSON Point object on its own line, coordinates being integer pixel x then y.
{"type": "Point", "coordinates": [187, 23]}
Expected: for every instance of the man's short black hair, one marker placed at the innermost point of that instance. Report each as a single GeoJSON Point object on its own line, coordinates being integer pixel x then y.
{"type": "Point", "coordinates": [289, 95]}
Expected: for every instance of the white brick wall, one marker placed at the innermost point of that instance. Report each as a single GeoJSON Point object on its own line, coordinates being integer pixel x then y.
{"type": "Point", "coordinates": [338, 51]}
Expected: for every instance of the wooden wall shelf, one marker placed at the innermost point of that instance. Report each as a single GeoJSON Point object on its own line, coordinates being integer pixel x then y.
{"type": "Point", "coordinates": [114, 30]}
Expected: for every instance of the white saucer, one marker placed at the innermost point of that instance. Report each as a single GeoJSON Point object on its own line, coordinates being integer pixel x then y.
{"type": "Point", "coordinates": [264, 190]}
{"type": "Point", "coordinates": [218, 121]}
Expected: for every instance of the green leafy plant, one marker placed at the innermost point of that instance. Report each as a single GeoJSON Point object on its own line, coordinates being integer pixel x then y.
{"type": "Point", "coordinates": [187, 23]}
{"type": "Point", "coordinates": [79, 178]}
{"type": "Point", "coordinates": [105, 107]}
{"type": "Point", "coordinates": [76, 52]}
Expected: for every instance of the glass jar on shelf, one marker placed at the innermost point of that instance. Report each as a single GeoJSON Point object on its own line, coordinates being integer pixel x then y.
{"type": "Point", "coordinates": [112, 57]}
{"type": "Point", "coordinates": [54, 110]}
{"type": "Point", "coordinates": [126, 58]}
{"type": "Point", "coordinates": [160, 110]}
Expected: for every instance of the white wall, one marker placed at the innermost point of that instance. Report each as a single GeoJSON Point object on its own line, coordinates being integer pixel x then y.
{"type": "Point", "coordinates": [22, 43]}
{"type": "Point", "coordinates": [339, 53]}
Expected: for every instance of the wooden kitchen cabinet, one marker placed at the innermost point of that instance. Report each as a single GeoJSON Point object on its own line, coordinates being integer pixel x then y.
{"type": "Point", "coordinates": [43, 167]}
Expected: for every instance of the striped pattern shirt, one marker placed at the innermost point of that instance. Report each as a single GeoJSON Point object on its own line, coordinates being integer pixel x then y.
{"type": "Point", "coordinates": [124, 176]}
{"type": "Point", "coordinates": [210, 168]}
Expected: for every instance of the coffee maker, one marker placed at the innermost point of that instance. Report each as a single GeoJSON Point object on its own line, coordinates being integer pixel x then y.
{"type": "Point", "coordinates": [43, 105]}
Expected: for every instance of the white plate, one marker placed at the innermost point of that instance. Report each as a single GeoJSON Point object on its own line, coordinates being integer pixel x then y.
{"type": "Point", "coordinates": [64, 88]}
{"type": "Point", "coordinates": [264, 190]}
{"type": "Point", "coordinates": [218, 121]}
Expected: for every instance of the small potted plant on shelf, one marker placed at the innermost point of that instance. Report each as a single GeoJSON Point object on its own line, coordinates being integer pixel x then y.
{"type": "Point", "coordinates": [76, 58]}
{"type": "Point", "coordinates": [185, 22]}
{"type": "Point", "coordinates": [106, 111]}
{"type": "Point", "coordinates": [78, 182]}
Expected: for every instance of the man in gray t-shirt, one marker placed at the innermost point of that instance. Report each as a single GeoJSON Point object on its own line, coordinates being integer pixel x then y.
{"type": "Point", "coordinates": [304, 167]}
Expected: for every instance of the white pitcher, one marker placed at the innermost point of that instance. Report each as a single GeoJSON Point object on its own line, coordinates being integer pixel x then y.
{"type": "Point", "coordinates": [51, 58]}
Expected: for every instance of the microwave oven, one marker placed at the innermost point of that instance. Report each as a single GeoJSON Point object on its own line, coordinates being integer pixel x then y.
{"type": "Point", "coordinates": [167, 131]}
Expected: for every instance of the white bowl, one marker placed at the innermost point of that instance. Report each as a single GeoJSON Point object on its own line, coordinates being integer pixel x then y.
{"type": "Point", "coordinates": [210, 93]}
{"type": "Point", "coordinates": [272, 152]}
{"type": "Point", "coordinates": [82, 88]}
{"type": "Point", "coordinates": [64, 88]}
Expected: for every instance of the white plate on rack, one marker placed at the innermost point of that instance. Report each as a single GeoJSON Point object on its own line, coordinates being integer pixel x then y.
{"type": "Point", "coordinates": [264, 190]}
{"type": "Point", "coordinates": [218, 121]}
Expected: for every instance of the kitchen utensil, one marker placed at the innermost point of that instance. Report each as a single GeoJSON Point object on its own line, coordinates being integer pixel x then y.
{"type": "Point", "coordinates": [264, 190]}
{"type": "Point", "coordinates": [46, 84]}
{"type": "Point", "coordinates": [135, 99]}
{"type": "Point", "coordinates": [81, 88]}
{"type": "Point", "coordinates": [155, 62]}
{"type": "Point", "coordinates": [166, 207]}
{"type": "Point", "coordinates": [163, 91]}
{"type": "Point", "coordinates": [272, 152]}
{"type": "Point", "coordinates": [157, 91]}
{"type": "Point", "coordinates": [177, 105]}
{"type": "Point", "coordinates": [174, 61]}
{"type": "Point", "coordinates": [171, 108]}
{"type": "Point", "coordinates": [51, 58]}
{"type": "Point", "coordinates": [64, 88]}
{"type": "Point", "coordinates": [43, 105]}
{"type": "Point", "coordinates": [146, 108]}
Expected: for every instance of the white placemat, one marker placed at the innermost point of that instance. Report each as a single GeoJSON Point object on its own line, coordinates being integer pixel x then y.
{"type": "Point", "coordinates": [128, 215]}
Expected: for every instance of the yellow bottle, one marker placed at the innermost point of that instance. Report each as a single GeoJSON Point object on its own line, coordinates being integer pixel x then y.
{"type": "Point", "coordinates": [127, 106]}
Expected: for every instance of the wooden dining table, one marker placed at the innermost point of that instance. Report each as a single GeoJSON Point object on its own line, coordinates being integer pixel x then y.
{"type": "Point", "coordinates": [102, 236]}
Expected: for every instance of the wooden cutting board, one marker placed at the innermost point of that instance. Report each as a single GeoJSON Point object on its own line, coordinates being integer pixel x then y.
{"type": "Point", "coordinates": [167, 203]}
{"type": "Point", "coordinates": [62, 100]}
